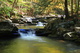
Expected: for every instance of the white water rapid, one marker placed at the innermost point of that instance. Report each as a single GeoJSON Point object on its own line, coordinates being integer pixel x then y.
{"type": "Point", "coordinates": [30, 35]}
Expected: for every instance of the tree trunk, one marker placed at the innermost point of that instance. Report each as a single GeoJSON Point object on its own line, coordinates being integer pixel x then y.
{"type": "Point", "coordinates": [66, 9]}
{"type": "Point", "coordinates": [77, 7]}
{"type": "Point", "coordinates": [71, 7]}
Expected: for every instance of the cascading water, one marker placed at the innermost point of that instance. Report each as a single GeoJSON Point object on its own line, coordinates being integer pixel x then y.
{"type": "Point", "coordinates": [39, 24]}
{"type": "Point", "coordinates": [29, 35]}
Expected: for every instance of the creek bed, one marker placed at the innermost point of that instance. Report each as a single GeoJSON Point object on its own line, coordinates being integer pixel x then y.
{"type": "Point", "coordinates": [27, 43]}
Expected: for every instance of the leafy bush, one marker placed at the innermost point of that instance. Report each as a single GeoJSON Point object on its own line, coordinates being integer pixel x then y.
{"type": "Point", "coordinates": [5, 11]}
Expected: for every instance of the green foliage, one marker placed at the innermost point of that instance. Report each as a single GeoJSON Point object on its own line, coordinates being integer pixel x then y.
{"type": "Point", "coordinates": [45, 7]}
{"type": "Point", "coordinates": [5, 11]}
{"type": "Point", "coordinates": [41, 6]}
{"type": "Point", "coordinates": [35, 7]}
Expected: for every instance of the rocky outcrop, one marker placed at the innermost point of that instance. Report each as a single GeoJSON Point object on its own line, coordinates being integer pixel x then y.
{"type": "Point", "coordinates": [64, 29]}
{"type": "Point", "coordinates": [8, 29]}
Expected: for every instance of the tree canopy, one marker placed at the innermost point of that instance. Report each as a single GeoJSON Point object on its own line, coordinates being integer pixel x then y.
{"type": "Point", "coordinates": [39, 7]}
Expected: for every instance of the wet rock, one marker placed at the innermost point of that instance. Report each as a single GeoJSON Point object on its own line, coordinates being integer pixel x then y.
{"type": "Point", "coordinates": [42, 32]}
{"type": "Point", "coordinates": [8, 29]}
{"type": "Point", "coordinates": [25, 30]}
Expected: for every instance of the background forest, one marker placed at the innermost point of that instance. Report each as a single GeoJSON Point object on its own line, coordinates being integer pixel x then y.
{"type": "Point", "coordinates": [36, 8]}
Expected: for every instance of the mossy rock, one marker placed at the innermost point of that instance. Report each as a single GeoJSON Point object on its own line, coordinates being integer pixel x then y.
{"type": "Point", "coordinates": [7, 29]}
{"type": "Point", "coordinates": [59, 27]}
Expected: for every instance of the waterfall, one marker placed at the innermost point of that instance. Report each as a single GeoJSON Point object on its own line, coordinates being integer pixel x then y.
{"type": "Point", "coordinates": [39, 24]}
{"type": "Point", "coordinates": [29, 34]}
{"type": "Point", "coordinates": [26, 33]}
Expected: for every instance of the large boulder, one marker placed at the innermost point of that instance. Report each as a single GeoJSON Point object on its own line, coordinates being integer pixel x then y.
{"type": "Point", "coordinates": [7, 29]}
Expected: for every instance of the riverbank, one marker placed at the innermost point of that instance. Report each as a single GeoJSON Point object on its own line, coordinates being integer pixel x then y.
{"type": "Point", "coordinates": [64, 29]}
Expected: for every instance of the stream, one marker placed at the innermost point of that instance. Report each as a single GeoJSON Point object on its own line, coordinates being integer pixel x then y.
{"type": "Point", "coordinates": [30, 43]}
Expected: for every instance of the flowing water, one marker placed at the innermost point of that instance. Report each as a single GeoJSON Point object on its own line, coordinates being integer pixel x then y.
{"type": "Point", "coordinates": [30, 43]}
{"type": "Point", "coordinates": [39, 24]}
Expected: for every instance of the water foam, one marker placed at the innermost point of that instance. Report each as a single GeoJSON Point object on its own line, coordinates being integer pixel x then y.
{"type": "Point", "coordinates": [30, 35]}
